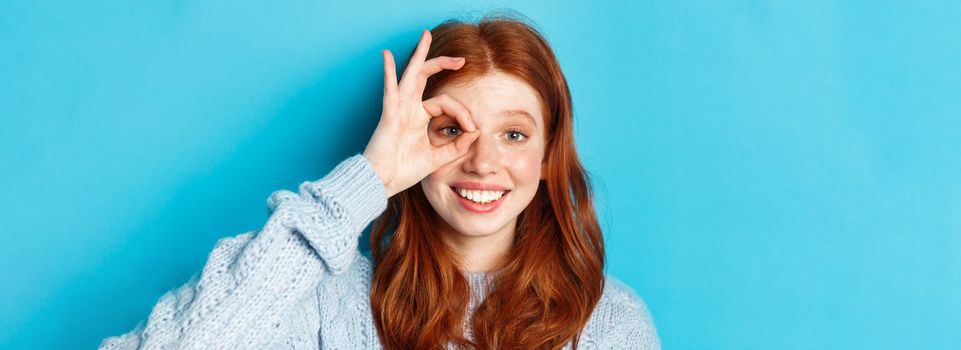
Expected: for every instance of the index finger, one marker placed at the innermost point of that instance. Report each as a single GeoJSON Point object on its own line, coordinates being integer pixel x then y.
{"type": "Point", "coordinates": [443, 104]}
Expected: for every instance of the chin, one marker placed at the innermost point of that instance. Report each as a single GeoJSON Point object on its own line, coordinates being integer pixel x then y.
{"type": "Point", "coordinates": [474, 230]}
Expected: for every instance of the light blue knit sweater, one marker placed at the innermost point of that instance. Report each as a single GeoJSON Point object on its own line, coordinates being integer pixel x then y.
{"type": "Point", "coordinates": [301, 282]}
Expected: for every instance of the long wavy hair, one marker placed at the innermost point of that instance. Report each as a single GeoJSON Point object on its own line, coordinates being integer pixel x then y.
{"type": "Point", "coordinates": [552, 278]}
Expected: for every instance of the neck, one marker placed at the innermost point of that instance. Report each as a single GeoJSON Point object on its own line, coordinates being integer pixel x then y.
{"type": "Point", "coordinates": [480, 253]}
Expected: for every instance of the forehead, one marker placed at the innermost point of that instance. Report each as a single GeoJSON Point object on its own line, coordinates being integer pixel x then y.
{"type": "Point", "coordinates": [496, 94]}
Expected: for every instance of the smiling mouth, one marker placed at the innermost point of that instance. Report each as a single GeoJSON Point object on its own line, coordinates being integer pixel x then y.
{"type": "Point", "coordinates": [478, 201]}
{"type": "Point", "coordinates": [479, 196]}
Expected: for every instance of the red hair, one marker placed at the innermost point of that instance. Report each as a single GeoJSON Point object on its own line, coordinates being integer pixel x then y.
{"type": "Point", "coordinates": [553, 277]}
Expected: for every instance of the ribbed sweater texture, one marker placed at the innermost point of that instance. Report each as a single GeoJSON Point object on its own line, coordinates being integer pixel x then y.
{"type": "Point", "coordinates": [301, 282]}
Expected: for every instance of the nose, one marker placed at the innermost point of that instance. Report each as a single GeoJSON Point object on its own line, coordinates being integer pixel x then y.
{"type": "Point", "coordinates": [483, 157]}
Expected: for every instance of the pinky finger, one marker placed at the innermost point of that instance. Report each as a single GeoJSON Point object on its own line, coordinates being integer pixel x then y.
{"type": "Point", "coordinates": [390, 75]}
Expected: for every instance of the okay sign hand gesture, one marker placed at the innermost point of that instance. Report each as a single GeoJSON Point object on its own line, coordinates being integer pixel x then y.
{"type": "Point", "coordinates": [400, 150]}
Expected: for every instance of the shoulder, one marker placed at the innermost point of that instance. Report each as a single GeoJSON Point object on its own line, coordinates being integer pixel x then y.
{"type": "Point", "coordinates": [619, 296]}
{"type": "Point", "coordinates": [621, 318]}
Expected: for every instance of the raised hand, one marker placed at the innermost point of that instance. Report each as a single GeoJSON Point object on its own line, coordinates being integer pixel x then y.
{"type": "Point", "coordinates": [400, 150]}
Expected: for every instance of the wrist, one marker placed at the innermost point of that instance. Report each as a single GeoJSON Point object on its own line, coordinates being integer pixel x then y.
{"type": "Point", "coordinates": [381, 174]}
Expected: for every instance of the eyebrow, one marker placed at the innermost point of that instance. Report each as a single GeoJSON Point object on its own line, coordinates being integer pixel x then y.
{"type": "Point", "coordinates": [518, 112]}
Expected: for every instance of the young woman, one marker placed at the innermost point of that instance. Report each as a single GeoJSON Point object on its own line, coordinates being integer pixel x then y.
{"type": "Point", "coordinates": [487, 237]}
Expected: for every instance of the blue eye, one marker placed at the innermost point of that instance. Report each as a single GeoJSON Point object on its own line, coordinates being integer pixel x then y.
{"type": "Point", "coordinates": [450, 131]}
{"type": "Point", "coordinates": [516, 135]}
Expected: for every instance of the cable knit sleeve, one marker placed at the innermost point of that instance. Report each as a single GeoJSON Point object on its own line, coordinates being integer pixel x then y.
{"type": "Point", "coordinates": [250, 280]}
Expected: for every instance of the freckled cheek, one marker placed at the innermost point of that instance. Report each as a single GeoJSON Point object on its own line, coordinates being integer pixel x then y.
{"type": "Point", "coordinates": [525, 167]}
{"type": "Point", "coordinates": [434, 180]}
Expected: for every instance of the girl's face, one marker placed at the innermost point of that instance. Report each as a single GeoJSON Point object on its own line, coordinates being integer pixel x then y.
{"type": "Point", "coordinates": [483, 192]}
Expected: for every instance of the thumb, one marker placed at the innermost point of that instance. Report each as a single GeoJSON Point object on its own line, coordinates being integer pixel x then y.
{"type": "Point", "coordinates": [451, 151]}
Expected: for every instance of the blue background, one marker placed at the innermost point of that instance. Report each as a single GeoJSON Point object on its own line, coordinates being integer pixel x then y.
{"type": "Point", "coordinates": [769, 174]}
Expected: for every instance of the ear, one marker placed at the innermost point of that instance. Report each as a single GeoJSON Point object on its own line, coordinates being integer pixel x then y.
{"type": "Point", "coordinates": [543, 170]}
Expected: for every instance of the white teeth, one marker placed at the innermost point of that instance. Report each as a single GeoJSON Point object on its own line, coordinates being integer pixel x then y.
{"type": "Point", "coordinates": [480, 196]}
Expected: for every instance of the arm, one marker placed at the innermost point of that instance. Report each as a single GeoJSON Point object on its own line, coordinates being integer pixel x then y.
{"type": "Point", "coordinates": [250, 280]}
